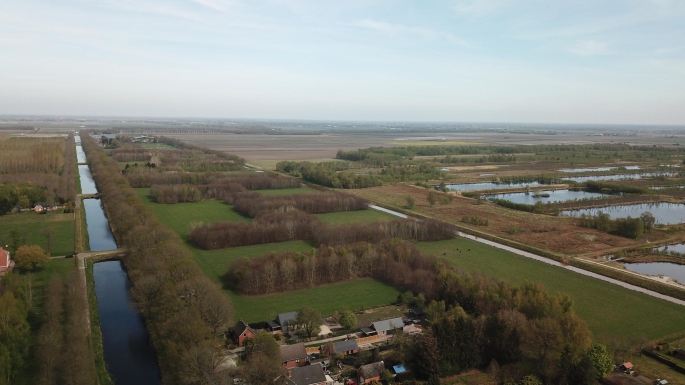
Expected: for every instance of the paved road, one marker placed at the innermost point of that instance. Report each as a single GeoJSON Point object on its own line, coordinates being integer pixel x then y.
{"type": "Point", "coordinates": [552, 262]}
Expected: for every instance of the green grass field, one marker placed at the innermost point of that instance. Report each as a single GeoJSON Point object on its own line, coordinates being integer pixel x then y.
{"type": "Point", "coordinates": [180, 216]}
{"type": "Point", "coordinates": [33, 224]}
{"type": "Point", "coordinates": [215, 263]}
{"type": "Point", "coordinates": [608, 309]}
{"type": "Point", "coordinates": [327, 299]}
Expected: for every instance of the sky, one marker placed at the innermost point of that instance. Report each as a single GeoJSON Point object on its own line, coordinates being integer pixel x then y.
{"type": "Point", "coordinates": [543, 61]}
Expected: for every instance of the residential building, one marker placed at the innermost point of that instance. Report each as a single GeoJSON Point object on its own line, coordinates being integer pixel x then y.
{"type": "Point", "coordinates": [371, 372]}
{"type": "Point", "coordinates": [283, 322]}
{"type": "Point", "coordinates": [241, 332]}
{"type": "Point", "coordinates": [6, 263]}
{"type": "Point", "coordinates": [346, 347]}
{"type": "Point", "coordinates": [293, 355]}
{"type": "Point", "coordinates": [306, 375]}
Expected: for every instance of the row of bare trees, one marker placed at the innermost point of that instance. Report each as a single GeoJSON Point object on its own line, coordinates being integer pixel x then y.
{"type": "Point", "coordinates": [19, 155]}
{"type": "Point", "coordinates": [63, 351]}
{"type": "Point", "coordinates": [184, 311]}
{"type": "Point", "coordinates": [296, 225]}
{"type": "Point", "coordinates": [67, 184]}
{"type": "Point", "coordinates": [396, 262]}
{"type": "Point", "coordinates": [227, 188]}
{"type": "Point", "coordinates": [310, 203]}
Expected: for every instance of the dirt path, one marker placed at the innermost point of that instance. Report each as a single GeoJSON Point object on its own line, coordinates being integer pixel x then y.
{"type": "Point", "coordinates": [555, 263]}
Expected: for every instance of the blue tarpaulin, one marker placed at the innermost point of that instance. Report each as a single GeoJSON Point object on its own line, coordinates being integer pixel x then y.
{"type": "Point", "coordinates": [398, 369]}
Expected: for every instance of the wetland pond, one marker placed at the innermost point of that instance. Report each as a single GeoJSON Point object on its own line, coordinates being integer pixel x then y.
{"type": "Point", "coordinates": [488, 186]}
{"type": "Point", "coordinates": [664, 213]}
{"type": "Point", "coordinates": [554, 196]}
{"type": "Point", "coordinates": [671, 270]}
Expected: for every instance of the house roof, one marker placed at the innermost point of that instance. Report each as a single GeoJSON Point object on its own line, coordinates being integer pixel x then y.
{"type": "Point", "coordinates": [307, 375]}
{"type": "Point", "coordinates": [286, 319]}
{"type": "Point", "coordinates": [417, 310]}
{"type": "Point", "coordinates": [293, 352]}
{"type": "Point", "coordinates": [681, 350]}
{"type": "Point", "coordinates": [372, 370]}
{"type": "Point", "coordinates": [388, 324]}
{"type": "Point", "coordinates": [273, 324]}
{"type": "Point", "coordinates": [4, 258]}
{"type": "Point", "coordinates": [240, 327]}
{"type": "Point", "coordinates": [346, 346]}
{"type": "Point", "coordinates": [368, 331]}
{"type": "Point", "coordinates": [627, 365]}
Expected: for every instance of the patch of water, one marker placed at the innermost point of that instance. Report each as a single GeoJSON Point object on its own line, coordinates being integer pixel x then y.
{"type": "Point", "coordinates": [554, 196]}
{"type": "Point", "coordinates": [487, 186]}
{"type": "Point", "coordinates": [672, 270]}
{"type": "Point", "coordinates": [581, 179]}
{"type": "Point", "coordinates": [99, 233]}
{"type": "Point", "coordinates": [664, 213]}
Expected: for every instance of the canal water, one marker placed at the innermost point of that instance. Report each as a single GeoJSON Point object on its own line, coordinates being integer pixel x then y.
{"type": "Point", "coordinates": [100, 235]}
{"type": "Point", "coordinates": [672, 270]}
{"type": "Point", "coordinates": [487, 186]}
{"type": "Point", "coordinates": [129, 356]}
{"type": "Point", "coordinates": [554, 196]}
{"type": "Point", "coordinates": [664, 213]}
{"type": "Point", "coordinates": [87, 182]}
{"type": "Point", "coordinates": [80, 154]}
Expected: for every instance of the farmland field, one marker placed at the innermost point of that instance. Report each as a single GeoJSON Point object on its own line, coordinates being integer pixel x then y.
{"type": "Point", "coordinates": [327, 299]}
{"type": "Point", "coordinates": [32, 225]}
{"type": "Point", "coordinates": [215, 263]}
{"type": "Point", "coordinates": [599, 303]}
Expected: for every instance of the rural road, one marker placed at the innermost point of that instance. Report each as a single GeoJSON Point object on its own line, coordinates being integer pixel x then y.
{"type": "Point", "coordinates": [551, 262]}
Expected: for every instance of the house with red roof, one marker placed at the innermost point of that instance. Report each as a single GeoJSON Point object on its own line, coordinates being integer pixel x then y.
{"type": "Point", "coordinates": [6, 263]}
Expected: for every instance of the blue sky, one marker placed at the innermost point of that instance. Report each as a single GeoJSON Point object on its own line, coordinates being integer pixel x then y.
{"type": "Point", "coordinates": [581, 61]}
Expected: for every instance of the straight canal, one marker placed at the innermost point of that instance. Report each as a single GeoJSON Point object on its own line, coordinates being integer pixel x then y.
{"type": "Point", "coordinates": [129, 355]}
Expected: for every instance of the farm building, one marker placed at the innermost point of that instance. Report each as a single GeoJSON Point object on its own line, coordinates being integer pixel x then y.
{"type": "Point", "coordinates": [283, 322]}
{"type": "Point", "coordinates": [417, 312]}
{"type": "Point", "coordinates": [241, 332]}
{"type": "Point", "coordinates": [371, 372]}
{"type": "Point", "coordinates": [381, 328]}
{"type": "Point", "coordinates": [626, 367]}
{"type": "Point", "coordinates": [293, 355]}
{"type": "Point", "coordinates": [680, 353]}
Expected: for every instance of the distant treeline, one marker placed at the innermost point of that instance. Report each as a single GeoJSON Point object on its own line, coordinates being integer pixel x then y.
{"type": "Point", "coordinates": [296, 225]}
{"type": "Point", "coordinates": [328, 202]}
{"type": "Point", "coordinates": [328, 174]}
{"type": "Point", "coordinates": [226, 188]}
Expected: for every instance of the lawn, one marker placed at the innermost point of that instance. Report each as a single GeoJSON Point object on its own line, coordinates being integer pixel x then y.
{"type": "Point", "coordinates": [356, 217]}
{"type": "Point", "coordinates": [608, 309]}
{"type": "Point", "coordinates": [180, 216]}
{"type": "Point", "coordinates": [327, 299]}
{"type": "Point", "coordinates": [32, 225]}
{"type": "Point", "coordinates": [215, 263]}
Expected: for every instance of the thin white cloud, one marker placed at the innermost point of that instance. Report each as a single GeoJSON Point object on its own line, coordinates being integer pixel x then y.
{"type": "Point", "coordinates": [401, 29]}
{"type": "Point", "coordinates": [477, 7]}
{"type": "Point", "coordinates": [589, 48]}
{"type": "Point", "coordinates": [217, 5]}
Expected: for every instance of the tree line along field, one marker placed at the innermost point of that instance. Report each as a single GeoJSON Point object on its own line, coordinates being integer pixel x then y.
{"type": "Point", "coordinates": [215, 263]}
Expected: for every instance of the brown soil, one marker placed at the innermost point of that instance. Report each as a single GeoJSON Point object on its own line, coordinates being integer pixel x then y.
{"type": "Point", "coordinates": [552, 233]}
